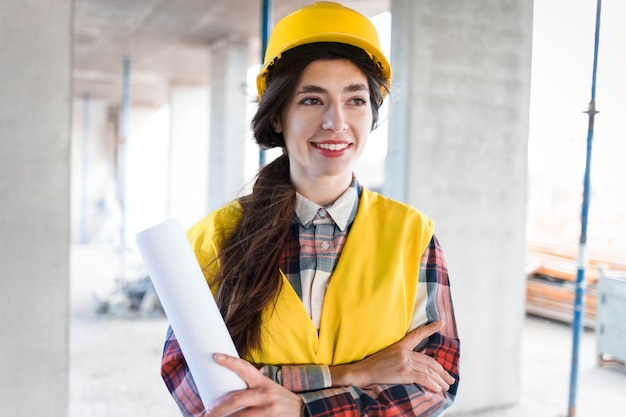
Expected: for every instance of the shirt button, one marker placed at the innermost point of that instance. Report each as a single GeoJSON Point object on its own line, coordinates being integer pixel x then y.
{"type": "Point", "coordinates": [325, 245]}
{"type": "Point", "coordinates": [322, 212]}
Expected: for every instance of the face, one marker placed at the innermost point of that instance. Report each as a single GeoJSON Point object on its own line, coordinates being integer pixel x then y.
{"type": "Point", "coordinates": [327, 121]}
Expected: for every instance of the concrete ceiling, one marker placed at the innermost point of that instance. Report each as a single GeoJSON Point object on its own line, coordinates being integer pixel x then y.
{"type": "Point", "coordinates": [166, 41]}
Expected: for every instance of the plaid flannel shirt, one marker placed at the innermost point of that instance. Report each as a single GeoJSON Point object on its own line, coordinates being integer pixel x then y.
{"type": "Point", "coordinates": [309, 271]}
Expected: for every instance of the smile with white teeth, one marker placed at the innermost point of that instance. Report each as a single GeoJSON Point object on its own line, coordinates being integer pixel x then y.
{"type": "Point", "coordinates": [332, 146]}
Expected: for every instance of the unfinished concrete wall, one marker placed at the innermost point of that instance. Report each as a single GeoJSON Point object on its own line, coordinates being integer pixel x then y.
{"type": "Point", "coordinates": [35, 108]}
{"type": "Point", "coordinates": [227, 121]}
{"type": "Point", "coordinates": [458, 151]}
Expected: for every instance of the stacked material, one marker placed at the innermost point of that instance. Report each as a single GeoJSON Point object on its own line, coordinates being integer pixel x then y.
{"type": "Point", "coordinates": [551, 280]}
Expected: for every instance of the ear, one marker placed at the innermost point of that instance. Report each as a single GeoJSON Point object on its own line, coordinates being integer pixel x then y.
{"type": "Point", "coordinates": [276, 126]}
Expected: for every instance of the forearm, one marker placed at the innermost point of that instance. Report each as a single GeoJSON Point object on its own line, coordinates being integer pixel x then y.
{"type": "Point", "coordinates": [346, 399]}
{"type": "Point", "coordinates": [376, 401]}
{"type": "Point", "coordinates": [299, 378]}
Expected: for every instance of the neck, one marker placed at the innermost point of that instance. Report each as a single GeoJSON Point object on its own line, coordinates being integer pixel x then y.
{"type": "Point", "coordinates": [322, 191]}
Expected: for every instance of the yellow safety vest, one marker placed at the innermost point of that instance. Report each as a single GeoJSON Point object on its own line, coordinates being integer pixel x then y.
{"type": "Point", "coordinates": [370, 298]}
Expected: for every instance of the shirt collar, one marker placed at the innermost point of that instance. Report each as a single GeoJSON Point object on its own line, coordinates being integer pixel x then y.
{"type": "Point", "coordinates": [342, 211]}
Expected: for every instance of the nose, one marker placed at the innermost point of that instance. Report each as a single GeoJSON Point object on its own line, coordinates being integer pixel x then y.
{"type": "Point", "coordinates": [334, 119]}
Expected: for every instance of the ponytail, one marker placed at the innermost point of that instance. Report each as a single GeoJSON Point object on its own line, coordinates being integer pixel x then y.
{"type": "Point", "coordinates": [249, 279]}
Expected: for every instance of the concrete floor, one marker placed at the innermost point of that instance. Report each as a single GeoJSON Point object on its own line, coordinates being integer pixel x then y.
{"type": "Point", "coordinates": [114, 368]}
{"type": "Point", "coordinates": [545, 376]}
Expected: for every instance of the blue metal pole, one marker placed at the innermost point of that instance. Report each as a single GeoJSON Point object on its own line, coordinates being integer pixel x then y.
{"type": "Point", "coordinates": [579, 300]}
{"type": "Point", "coordinates": [85, 176]}
{"type": "Point", "coordinates": [266, 27]}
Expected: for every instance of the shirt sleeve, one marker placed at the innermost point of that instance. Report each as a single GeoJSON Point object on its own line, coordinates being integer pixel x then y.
{"type": "Point", "coordinates": [178, 379]}
{"type": "Point", "coordinates": [180, 383]}
{"type": "Point", "coordinates": [299, 378]}
{"type": "Point", "coordinates": [412, 399]}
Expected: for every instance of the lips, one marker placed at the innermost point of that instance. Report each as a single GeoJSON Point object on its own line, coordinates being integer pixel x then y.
{"type": "Point", "coordinates": [332, 149]}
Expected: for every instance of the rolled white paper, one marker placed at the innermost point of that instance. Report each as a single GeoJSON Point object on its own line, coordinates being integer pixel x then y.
{"type": "Point", "coordinates": [190, 308]}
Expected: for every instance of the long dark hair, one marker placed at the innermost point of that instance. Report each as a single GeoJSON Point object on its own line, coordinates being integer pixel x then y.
{"type": "Point", "coordinates": [249, 279]}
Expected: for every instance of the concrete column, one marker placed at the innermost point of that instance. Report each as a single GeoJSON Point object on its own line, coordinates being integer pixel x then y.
{"type": "Point", "coordinates": [458, 152]}
{"type": "Point", "coordinates": [35, 109]}
{"type": "Point", "coordinates": [188, 153]}
{"type": "Point", "coordinates": [148, 168]}
{"type": "Point", "coordinates": [229, 63]}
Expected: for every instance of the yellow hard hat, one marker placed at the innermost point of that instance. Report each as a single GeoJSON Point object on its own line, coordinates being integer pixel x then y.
{"type": "Point", "coordinates": [323, 21]}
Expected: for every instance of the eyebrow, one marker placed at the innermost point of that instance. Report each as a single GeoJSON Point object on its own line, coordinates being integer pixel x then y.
{"type": "Point", "coordinates": [317, 89]}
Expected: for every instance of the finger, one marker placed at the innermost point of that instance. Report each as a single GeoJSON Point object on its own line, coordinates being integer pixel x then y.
{"type": "Point", "coordinates": [241, 367]}
{"type": "Point", "coordinates": [438, 378]}
{"type": "Point", "coordinates": [434, 367]}
{"type": "Point", "coordinates": [448, 378]}
{"type": "Point", "coordinates": [433, 370]}
{"type": "Point", "coordinates": [431, 382]}
{"type": "Point", "coordinates": [414, 337]}
{"type": "Point", "coordinates": [231, 404]}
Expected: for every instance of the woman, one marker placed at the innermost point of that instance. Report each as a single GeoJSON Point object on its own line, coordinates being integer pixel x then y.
{"type": "Point", "coordinates": [337, 294]}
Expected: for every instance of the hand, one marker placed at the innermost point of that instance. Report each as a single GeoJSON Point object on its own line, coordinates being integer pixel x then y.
{"type": "Point", "coordinates": [263, 397]}
{"type": "Point", "coordinates": [397, 364]}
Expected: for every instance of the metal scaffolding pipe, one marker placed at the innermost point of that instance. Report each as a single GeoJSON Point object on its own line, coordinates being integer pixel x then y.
{"type": "Point", "coordinates": [581, 284]}
{"type": "Point", "coordinates": [85, 173]}
{"type": "Point", "coordinates": [267, 22]}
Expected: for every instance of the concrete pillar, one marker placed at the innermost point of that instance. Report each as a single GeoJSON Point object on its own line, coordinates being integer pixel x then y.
{"type": "Point", "coordinates": [188, 153]}
{"type": "Point", "coordinates": [148, 168]}
{"type": "Point", "coordinates": [35, 109]}
{"type": "Point", "coordinates": [458, 151]}
{"type": "Point", "coordinates": [228, 123]}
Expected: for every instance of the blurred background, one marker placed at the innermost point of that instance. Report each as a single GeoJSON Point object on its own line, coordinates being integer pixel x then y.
{"type": "Point", "coordinates": [116, 116]}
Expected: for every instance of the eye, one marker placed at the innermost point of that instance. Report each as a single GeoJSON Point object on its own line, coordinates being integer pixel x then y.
{"type": "Point", "coordinates": [357, 101]}
{"type": "Point", "coordinates": [311, 101]}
